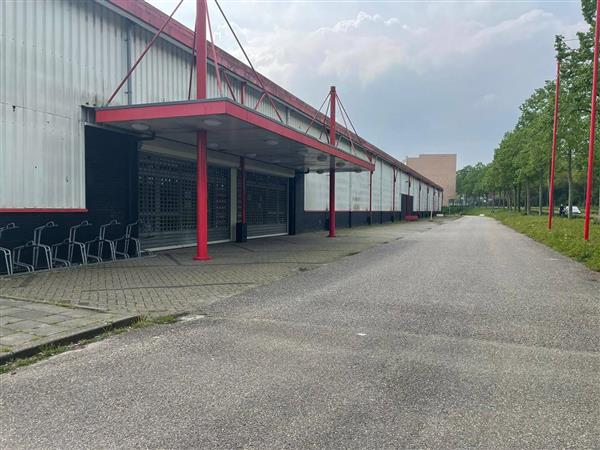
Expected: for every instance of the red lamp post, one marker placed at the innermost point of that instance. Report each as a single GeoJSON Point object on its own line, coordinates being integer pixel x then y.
{"type": "Point", "coordinates": [553, 161]}
{"type": "Point", "coordinates": [590, 170]}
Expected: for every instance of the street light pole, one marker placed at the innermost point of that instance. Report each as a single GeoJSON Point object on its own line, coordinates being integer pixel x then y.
{"type": "Point", "coordinates": [590, 171]}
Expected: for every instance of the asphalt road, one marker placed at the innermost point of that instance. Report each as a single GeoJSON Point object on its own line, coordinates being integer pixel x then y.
{"type": "Point", "coordinates": [467, 335]}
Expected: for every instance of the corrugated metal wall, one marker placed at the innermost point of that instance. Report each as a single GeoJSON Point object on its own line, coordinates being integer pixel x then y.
{"type": "Point", "coordinates": [398, 192]}
{"type": "Point", "coordinates": [56, 56]}
{"type": "Point", "coordinates": [360, 191]}
{"type": "Point", "coordinates": [62, 54]}
{"type": "Point", "coordinates": [316, 192]}
{"type": "Point", "coordinates": [387, 186]}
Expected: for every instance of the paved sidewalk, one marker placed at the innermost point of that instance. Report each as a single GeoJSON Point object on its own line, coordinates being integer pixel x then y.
{"type": "Point", "coordinates": [171, 282]}
{"type": "Point", "coordinates": [27, 325]}
{"type": "Point", "coordinates": [466, 336]}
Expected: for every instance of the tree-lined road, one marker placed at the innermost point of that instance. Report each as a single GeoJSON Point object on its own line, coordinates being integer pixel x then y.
{"type": "Point", "coordinates": [464, 335]}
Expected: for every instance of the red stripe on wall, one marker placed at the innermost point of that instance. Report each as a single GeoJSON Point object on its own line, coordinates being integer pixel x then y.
{"type": "Point", "coordinates": [43, 210]}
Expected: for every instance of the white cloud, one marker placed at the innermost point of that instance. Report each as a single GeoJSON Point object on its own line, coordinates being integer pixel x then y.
{"type": "Point", "coordinates": [349, 48]}
{"type": "Point", "coordinates": [367, 46]}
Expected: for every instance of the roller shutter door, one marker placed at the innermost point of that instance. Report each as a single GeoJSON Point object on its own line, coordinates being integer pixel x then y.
{"type": "Point", "coordinates": [267, 204]}
{"type": "Point", "coordinates": [167, 201]}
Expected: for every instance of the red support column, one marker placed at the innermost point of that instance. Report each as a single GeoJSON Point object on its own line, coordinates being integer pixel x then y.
{"type": "Point", "coordinates": [201, 199]}
{"type": "Point", "coordinates": [243, 189]}
{"type": "Point", "coordinates": [201, 162]}
{"type": "Point", "coordinates": [201, 11]}
{"type": "Point", "coordinates": [370, 197]}
{"type": "Point", "coordinates": [394, 197]}
{"type": "Point", "coordinates": [590, 171]}
{"type": "Point", "coordinates": [553, 161]}
{"type": "Point", "coordinates": [332, 164]}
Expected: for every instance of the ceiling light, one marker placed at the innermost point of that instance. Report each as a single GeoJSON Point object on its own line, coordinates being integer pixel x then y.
{"type": "Point", "coordinates": [251, 155]}
{"type": "Point", "coordinates": [271, 142]}
{"type": "Point", "coordinates": [140, 127]}
{"type": "Point", "coordinates": [213, 145]}
{"type": "Point", "coordinates": [212, 122]}
{"type": "Point", "coordinates": [340, 164]}
{"type": "Point", "coordinates": [321, 158]}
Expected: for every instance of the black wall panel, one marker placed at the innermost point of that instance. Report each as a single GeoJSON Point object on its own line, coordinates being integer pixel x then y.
{"type": "Point", "coordinates": [111, 185]}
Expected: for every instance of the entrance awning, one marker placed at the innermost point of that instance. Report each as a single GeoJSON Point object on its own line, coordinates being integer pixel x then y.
{"type": "Point", "coordinates": [232, 129]}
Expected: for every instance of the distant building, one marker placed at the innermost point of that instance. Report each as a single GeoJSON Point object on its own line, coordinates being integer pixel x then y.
{"type": "Point", "coordinates": [439, 168]}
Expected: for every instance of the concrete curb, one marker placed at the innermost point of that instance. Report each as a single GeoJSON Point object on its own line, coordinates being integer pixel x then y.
{"type": "Point", "coordinates": [78, 336]}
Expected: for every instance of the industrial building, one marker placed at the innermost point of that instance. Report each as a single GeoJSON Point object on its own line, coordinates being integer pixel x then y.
{"type": "Point", "coordinates": [198, 153]}
{"type": "Point", "coordinates": [438, 167]}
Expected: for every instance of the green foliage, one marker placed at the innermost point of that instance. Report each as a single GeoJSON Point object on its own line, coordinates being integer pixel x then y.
{"type": "Point", "coordinates": [521, 160]}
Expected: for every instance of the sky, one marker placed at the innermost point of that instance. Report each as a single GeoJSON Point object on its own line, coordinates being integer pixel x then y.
{"type": "Point", "coordinates": [415, 76]}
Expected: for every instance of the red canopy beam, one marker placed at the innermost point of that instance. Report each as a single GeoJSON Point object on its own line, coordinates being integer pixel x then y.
{"type": "Point", "coordinates": [590, 171]}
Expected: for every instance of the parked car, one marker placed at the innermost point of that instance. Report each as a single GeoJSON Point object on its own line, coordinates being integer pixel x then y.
{"type": "Point", "coordinates": [575, 211]}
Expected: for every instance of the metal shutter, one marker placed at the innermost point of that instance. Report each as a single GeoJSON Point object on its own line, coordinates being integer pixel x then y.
{"type": "Point", "coordinates": [267, 204]}
{"type": "Point", "coordinates": [167, 201]}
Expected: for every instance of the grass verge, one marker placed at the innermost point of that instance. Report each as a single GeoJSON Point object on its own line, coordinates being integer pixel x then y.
{"type": "Point", "coordinates": [50, 350]}
{"type": "Point", "coordinates": [565, 237]}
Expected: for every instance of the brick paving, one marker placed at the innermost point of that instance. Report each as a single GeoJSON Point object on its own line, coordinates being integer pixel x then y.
{"type": "Point", "coordinates": [24, 324]}
{"type": "Point", "coordinates": [171, 282]}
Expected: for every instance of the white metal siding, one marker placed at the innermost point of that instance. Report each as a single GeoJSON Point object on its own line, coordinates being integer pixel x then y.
{"type": "Point", "coordinates": [403, 182]}
{"type": "Point", "coordinates": [342, 191]}
{"type": "Point", "coordinates": [351, 191]}
{"type": "Point", "coordinates": [316, 192]}
{"type": "Point", "coordinates": [163, 75]}
{"type": "Point", "coordinates": [376, 185]}
{"type": "Point", "coordinates": [56, 56]}
{"type": "Point", "coordinates": [398, 191]}
{"type": "Point", "coordinates": [59, 55]}
{"type": "Point", "coordinates": [360, 191]}
{"type": "Point", "coordinates": [387, 186]}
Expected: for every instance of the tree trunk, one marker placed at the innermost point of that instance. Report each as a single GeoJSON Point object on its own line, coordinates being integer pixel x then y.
{"type": "Point", "coordinates": [570, 181]}
{"type": "Point", "coordinates": [541, 194]}
{"type": "Point", "coordinates": [518, 199]}
{"type": "Point", "coordinates": [527, 199]}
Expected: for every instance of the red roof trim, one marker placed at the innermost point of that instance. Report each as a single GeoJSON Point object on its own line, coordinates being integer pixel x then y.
{"type": "Point", "coordinates": [176, 30]}
{"type": "Point", "coordinates": [220, 107]}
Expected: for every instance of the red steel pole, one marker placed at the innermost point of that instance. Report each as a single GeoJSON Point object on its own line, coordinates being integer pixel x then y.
{"type": "Point", "coordinates": [243, 188]}
{"type": "Point", "coordinates": [590, 171]}
{"type": "Point", "coordinates": [370, 197]}
{"type": "Point", "coordinates": [394, 197]}
{"type": "Point", "coordinates": [201, 138]}
{"type": "Point", "coordinates": [553, 160]}
{"type": "Point", "coordinates": [332, 164]}
{"type": "Point", "coordinates": [201, 56]}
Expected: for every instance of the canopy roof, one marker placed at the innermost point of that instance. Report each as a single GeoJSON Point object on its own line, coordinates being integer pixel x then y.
{"type": "Point", "coordinates": [232, 129]}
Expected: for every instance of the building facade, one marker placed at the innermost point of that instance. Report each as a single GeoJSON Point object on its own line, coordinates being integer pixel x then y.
{"type": "Point", "coordinates": [66, 157]}
{"type": "Point", "coordinates": [440, 168]}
